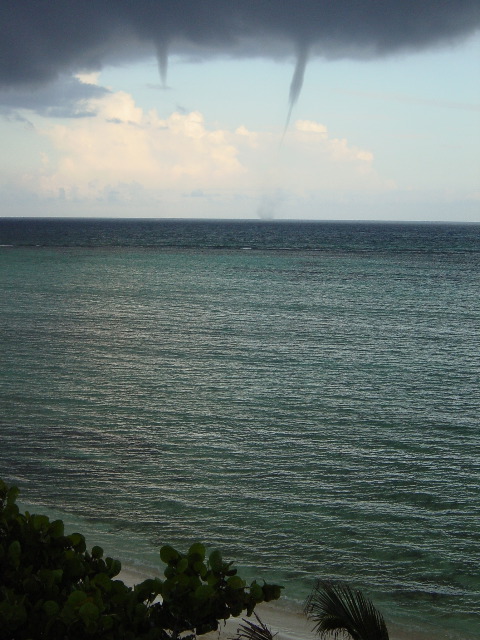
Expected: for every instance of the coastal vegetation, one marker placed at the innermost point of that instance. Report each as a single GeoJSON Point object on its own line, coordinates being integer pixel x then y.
{"type": "Point", "coordinates": [337, 610]}
{"type": "Point", "coordinates": [51, 586]}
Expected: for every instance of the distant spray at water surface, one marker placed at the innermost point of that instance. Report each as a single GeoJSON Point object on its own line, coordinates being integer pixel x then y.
{"type": "Point", "coordinates": [269, 204]}
{"type": "Point", "coordinates": [266, 208]}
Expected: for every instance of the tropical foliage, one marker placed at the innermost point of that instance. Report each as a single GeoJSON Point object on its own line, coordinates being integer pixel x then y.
{"type": "Point", "coordinates": [337, 608]}
{"type": "Point", "coordinates": [254, 631]}
{"type": "Point", "coordinates": [51, 586]}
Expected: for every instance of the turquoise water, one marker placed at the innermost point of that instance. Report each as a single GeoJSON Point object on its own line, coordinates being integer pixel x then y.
{"type": "Point", "coordinates": [304, 396]}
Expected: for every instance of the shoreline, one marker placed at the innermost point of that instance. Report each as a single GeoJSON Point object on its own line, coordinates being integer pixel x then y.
{"type": "Point", "coordinates": [285, 622]}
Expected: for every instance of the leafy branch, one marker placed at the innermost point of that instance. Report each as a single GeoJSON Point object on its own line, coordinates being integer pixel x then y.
{"type": "Point", "coordinates": [51, 586]}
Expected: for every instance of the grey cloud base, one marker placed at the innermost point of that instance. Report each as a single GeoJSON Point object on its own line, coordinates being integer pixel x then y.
{"type": "Point", "coordinates": [41, 40]}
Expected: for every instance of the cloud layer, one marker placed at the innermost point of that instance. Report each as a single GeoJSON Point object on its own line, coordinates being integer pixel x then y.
{"type": "Point", "coordinates": [123, 153]}
{"type": "Point", "coordinates": [40, 40]}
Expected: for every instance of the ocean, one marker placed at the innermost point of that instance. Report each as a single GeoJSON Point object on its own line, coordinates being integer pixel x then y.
{"type": "Point", "coordinates": [304, 396]}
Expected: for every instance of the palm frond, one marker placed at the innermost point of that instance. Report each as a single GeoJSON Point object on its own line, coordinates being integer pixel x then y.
{"type": "Point", "coordinates": [338, 609]}
{"type": "Point", "coordinates": [252, 631]}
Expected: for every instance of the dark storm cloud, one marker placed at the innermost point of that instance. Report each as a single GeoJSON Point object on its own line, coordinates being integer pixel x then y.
{"type": "Point", "coordinates": [39, 40]}
{"type": "Point", "coordinates": [63, 98]}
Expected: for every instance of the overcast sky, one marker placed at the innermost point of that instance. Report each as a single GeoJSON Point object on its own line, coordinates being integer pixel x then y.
{"type": "Point", "coordinates": [273, 109]}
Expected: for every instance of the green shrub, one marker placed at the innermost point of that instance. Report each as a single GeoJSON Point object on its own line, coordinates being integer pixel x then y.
{"type": "Point", "coordinates": [51, 586]}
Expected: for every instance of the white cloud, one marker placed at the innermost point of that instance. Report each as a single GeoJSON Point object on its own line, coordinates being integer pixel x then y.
{"type": "Point", "coordinates": [251, 136]}
{"type": "Point", "coordinates": [338, 148]}
{"type": "Point", "coordinates": [119, 107]}
{"type": "Point", "coordinates": [124, 145]}
{"type": "Point", "coordinates": [311, 126]}
{"type": "Point", "coordinates": [88, 78]}
{"type": "Point", "coordinates": [124, 154]}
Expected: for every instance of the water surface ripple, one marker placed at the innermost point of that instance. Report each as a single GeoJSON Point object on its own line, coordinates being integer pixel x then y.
{"type": "Point", "coordinates": [311, 411]}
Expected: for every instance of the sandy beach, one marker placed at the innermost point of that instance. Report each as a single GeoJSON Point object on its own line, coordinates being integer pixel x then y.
{"type": "Point", "coordinates": [283, 620]}
{"type": "Point", "coordinates": [289, 625]}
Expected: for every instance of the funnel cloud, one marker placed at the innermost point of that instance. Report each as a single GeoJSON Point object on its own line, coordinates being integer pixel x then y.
{"type": "Point", "coordinates": [296, 83]}
{"type": "Point", "coordinates": [162, 58]}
